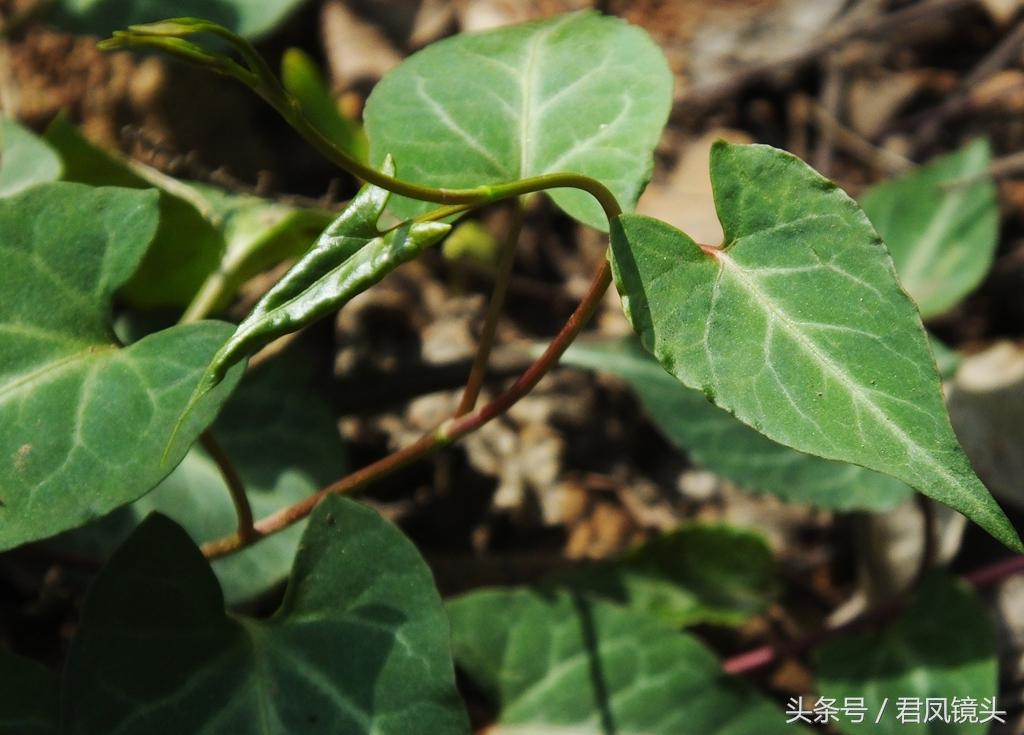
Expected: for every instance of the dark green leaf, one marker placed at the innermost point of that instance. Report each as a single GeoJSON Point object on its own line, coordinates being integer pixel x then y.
{"type": "Point", "coordinates": [359, 645]}
{"type": "Point", "coordinates": [281, 437]}
{"type": "Point", "coordinates": [730, 448]}
{"type": "Point", "coordinates": [350, 256]}
{"type": "Point", "coordinates": [563, 663]}
{"type": "Point", "coordinates": [941, 647]}
{"type": "Point", "coordinates": [941, 224]}
{"type": "Point", "coordinates": [102, 17]}
{"type": "Point", "coordinates": [83, 423]}
{"type": "Point", "coordinates": [25, 160]}
{"type": "Point", "coordinates": [798, 327]}
{"type": "Point", "coordinates": [580, 93]}
{"type": "Point", "coordinates": [697, 574]}
{"type": "Point", "coordinates": [29, 697]}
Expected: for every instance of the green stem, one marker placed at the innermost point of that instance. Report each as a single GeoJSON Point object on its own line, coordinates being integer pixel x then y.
{"type": "Point", "coordinates": [478, 371]}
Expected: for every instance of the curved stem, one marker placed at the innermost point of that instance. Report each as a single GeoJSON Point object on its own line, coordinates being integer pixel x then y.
{"type": "Point", "coordinates": [236, 488]}
{"type": "Point", "coordinates": [292, 113]}
{"type": "Point", "coordinates": [429, 443]}
{"type": "Point", "coordinates": [478, 370]}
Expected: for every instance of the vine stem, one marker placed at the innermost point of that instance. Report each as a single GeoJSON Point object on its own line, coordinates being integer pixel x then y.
{"type": "Point", "coordinates": [260, 79]}
{"type": "Point", "coordinates": [758, 658]}
{"type": "Point", "coordinates": [449, 432]}
{"type": "Point", "coordinates": [236, 488]}
{"type": "Point", "coordinates": [478, 370]}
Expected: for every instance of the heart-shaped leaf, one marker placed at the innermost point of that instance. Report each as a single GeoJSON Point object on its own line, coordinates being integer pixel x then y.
{"type": "Point", "coordinates": [941, 224]}
{"type": "Point", "coordinates": [350, 256]}
{"type": "Point", "coordinates": [102, 17]}
{"type": "Point", "coordinates": [696, 574]}
{"type": "Point", "coordinates": [83, 424]}
{"type": "Point", "coordinates": [25, 160]}
{"type": "Point", "coordinates": [730, 448]}
{"type": "Point", "coordinates": [579, 93]}
{"type": "Point", "coordinates": [279, 404]}
{"type": "Point", "coordinates": [940, 649]}
{"type": "Point", "coordinates": [359, 645]}
{"type": "Point", "coordinates": [798, 326]}
{"type": "Point", "coordinates": [29, 697]}
{"type": "Point", "coordinates": [562, 663]}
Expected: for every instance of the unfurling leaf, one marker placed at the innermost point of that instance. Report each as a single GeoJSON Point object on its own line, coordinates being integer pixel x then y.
{"type": "Point", "coordinates": [350, 256]}
{"type": "Point", "coordinates": [799, 327]}
{"type": "Point", "coordinates": [580, 93]}
{"type": "Point", "coordinates": [358, 646]}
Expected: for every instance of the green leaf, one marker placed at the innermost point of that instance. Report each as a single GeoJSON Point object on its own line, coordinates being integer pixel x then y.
{"type": "Point", "coordinates": [696, 574]}
{"type": "Point", "coordinates": [250, 18]}
{"type": "Point", "coordinates": [83, 423]}
{"type": "Point", "coordinates": [798, 327]}
{"type": "Point", "coordinates": [25, 160]}
{"type": "Point", "coordinates": [350, 256]}
{"type": "Point", "coordinates": [942, 235]}
{"type": "Point", "coordinates": [719, 441]}
{"type": "Point", "coordinates": [301, 77]}
{"type": "Point", "coordinates": [279, 405]}
{"type": "Point", "coordinates": [29, 697]}
{"type": "Point", "coordinates": [563, 663]}
{"type": "Point", "coordinates": [941, 647]}
{"type": "Point", "coordinates": [579, 93]}
{"type": "Point", "coordinates": [359, 645]}
{"type": "Point", "coordinates": [208, 239]}
{"type": "Point", "coordinates": [187, 246]}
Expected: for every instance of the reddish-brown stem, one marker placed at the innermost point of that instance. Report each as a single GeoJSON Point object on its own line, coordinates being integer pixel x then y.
{"type": "Point", "coordinates": [767, 655]}
{"type": "Point", "coordinates": [426, 445]}
{"type": "Point", "coordinates": [478, 370]}
{"type": "Point", "coordinates": [236, 488]}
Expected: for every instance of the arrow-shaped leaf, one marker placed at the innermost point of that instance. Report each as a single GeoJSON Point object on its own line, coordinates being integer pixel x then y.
{"type": "Point", "coordinates": [730, 448]}
{"type": "Point", "coordinates": [798, 326]}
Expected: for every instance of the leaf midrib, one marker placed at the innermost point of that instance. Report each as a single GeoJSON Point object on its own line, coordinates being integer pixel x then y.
{"type": "Point", "coordinates": [857, 391]}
